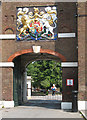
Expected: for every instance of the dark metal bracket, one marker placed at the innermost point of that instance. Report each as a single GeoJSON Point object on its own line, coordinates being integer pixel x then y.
{"type": "Point", "coordinates": [78, 15]}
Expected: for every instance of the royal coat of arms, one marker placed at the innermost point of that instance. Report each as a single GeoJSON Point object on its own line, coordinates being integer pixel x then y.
{"type": "Point", "coordinates": [37, 24]}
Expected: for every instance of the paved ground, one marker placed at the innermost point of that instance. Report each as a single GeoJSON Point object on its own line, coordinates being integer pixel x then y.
{"type": "Point", "coordinates": [39, 108]}
{"type": "Point", "coordinates": [38, 111]}
{"type": "Point", "coordinates": [84, 113]}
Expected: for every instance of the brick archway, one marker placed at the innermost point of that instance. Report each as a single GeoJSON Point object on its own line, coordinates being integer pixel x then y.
{"type": "Point", "coordinates": [25, 51]}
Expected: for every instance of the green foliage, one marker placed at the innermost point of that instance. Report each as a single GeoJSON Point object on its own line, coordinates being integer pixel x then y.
{"type": "Point", "coordinates": [45, 83]}
{"type": "Point", "coordinates": [45, 73]}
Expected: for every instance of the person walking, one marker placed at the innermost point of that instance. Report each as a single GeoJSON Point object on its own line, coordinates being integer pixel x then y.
{"type": "Point", "coordinates": [53, 89]}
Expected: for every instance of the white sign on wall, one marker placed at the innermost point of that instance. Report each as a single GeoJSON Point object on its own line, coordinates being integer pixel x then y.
{"type": "Point", "coordinates": [70, 82]}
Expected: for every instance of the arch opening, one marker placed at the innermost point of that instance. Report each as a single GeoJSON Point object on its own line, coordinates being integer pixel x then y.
{"type": "Point", "coordinates": [44, 80]}
{"type": "Point", "coordinates": [20, 73]}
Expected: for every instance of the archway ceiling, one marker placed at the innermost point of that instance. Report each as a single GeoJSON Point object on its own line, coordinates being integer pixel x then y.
{"type": "Point", "coordinates": [30, 57]}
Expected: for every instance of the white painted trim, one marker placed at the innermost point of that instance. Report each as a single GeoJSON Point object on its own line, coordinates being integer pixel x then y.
{"type": "Point", "coordinates": [7, 104]}
{"type": "Point", "coordinates": [69, 64]}
{"type": "Point", "coordinates": [82, 105]}
{"type": "Point", "coordinates": [60, 35]}
{"type": "Point", "coordinates": [7, 36]}
{"type": "Point", "coordinates": [66, 105]}
{"type": "Point", "coordinates": [66, 35]}
{"type": "Point", "coordinates": [6, 64]}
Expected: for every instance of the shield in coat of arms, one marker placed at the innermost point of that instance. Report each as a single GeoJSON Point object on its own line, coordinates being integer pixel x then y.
{"type": "Point", "coordinates": [37, 25]}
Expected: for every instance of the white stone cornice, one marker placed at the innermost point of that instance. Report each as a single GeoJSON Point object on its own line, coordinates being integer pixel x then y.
{"type": "Point", "coordinates": [69, 64]}
{"type": "Point", "coordinates": [6, 64]}
{"type": "Point", "coordinates": [7, 36]}
{"type": "Point", "coordinates": [60, 35]}
{"type": "Point", "coordinates": [66, 35]}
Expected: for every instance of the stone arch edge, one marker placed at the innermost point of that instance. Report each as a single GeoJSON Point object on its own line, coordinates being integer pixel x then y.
{"type": "Point", "coordinates": [25, 51]}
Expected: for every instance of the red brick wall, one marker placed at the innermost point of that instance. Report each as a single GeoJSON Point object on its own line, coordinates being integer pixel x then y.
{"type": "Point", "coordinates": [81, 51]}
{"type": "Point", "coordinates": [7, 84]}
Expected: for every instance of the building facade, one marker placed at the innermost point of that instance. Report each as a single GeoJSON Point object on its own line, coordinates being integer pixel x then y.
{"type": "Point", "coordinates": [69, 47]}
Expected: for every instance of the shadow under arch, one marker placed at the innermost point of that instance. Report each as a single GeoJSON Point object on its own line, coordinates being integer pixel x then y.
{"type": "Point", "coordinates": [25, 51]}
